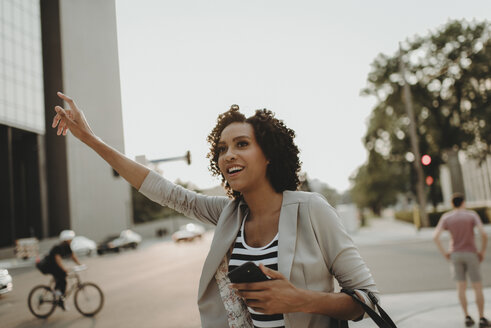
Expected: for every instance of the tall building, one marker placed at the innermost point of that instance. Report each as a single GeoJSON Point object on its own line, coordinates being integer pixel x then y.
{"type": "Point", "coordinates": [50, 183]}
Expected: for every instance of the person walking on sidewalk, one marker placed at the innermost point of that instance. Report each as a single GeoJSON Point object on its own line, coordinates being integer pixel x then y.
{"type": "Point", "coordinates": [463, 254]}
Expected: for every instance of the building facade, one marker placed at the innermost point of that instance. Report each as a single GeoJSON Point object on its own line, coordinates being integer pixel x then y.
{"type": "Point", "coordinates": [50, 183]}
{"type": "Point", "coordinates": [476, 176]}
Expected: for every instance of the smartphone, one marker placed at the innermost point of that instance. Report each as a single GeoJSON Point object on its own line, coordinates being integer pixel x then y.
{"type": "Point", "coordinates": [247, 272]}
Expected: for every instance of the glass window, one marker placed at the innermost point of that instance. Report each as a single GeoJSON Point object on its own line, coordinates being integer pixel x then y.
{"type": "Point", "coordinates": [9, 71]}
{"type": "Point", "coordinates": [18, 17]}
{"type": "Point", "coordinates": [2, 89]}
{"type": "Point", "coordinates": [7, 11]}
{"type": "Point", "coordinates": [9, 92]}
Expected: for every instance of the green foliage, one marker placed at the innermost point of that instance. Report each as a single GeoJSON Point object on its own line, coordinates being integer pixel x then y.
{"type": "Point", "coordinates": [449, 76]}
{"type": "Point", "coordinates": [331, 195]}
{"type": "Point", "coordinates": [377, 183]}
{"type": "Point", "coordinates": [145, 210]}
{"type": "Point", "coordinates": [345, 197]}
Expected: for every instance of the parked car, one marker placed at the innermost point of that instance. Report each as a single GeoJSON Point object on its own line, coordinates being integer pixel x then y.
{"type": "Point", "coordinates": [126, 239]}
{"type": "Point", "coordinates": [188, 232]}
{"type": "Point", "coordinates": [5, 281]}
{"type": "Point", "coordinates": [83, 246]}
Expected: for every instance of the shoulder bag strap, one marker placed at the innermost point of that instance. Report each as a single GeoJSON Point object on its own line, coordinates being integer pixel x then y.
{"type": "Point", "coordinates": [383, 320]}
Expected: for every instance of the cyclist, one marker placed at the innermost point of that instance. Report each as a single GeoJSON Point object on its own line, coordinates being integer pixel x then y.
{"type": "Point", "coordinates": [53, 264]}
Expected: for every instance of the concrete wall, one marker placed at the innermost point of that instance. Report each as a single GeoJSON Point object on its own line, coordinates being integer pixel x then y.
{"type": "Point", "coordinates": [100, 203]}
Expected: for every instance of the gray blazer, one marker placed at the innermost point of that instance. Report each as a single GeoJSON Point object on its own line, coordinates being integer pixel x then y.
{"type": "Point", "coordinates": [313, 246]}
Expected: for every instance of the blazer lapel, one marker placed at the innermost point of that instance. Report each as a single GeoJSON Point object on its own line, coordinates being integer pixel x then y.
{"type": "Point", "coordinates": [287, 234]}
{"type": "Point", "coordinates": [225, 234]}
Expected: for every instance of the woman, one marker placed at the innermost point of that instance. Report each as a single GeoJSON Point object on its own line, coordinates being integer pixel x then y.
{"type": "Point", "coordinates": [296, 236]}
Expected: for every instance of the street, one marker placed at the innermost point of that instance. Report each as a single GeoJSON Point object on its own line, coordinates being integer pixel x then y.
{"type": "Point", "coordinates": [156, 285]}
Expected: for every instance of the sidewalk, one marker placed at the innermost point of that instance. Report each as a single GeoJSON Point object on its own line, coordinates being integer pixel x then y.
{"type": "Point", "coordinates": [428, 309]}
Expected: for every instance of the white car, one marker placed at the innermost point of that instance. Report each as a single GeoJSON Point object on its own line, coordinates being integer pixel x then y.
{"type": "Point", "coordinates": [83, 246]}
{"type": "Point", "coordinates": [127, 238]}
{"type": "Point", "coordinates": [5, 281]}
{"type": "Point", "coordinates": [188, 232]}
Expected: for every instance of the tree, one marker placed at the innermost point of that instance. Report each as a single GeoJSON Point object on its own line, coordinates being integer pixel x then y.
{"type": "Point", "coordinates": [146, 210]}
{"type": "Point", "coordinates": [378, 182]}
{"type": "Point", "coordinates": [449, 76]}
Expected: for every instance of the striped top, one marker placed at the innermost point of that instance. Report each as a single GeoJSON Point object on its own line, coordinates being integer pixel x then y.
{"type": "Point", "coordinates": [267, 255]}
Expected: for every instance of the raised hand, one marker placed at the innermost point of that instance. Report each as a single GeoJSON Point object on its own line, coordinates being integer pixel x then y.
{"type": "Point", "coordinates": [72, 120]}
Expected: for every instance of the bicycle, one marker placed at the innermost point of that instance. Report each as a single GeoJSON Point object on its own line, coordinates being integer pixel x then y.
{"type": "Point", "coordinates": [88, 297]}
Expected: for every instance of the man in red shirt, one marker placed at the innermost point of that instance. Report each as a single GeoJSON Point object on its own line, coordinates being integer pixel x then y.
{"type": "Point", "coordinates": [463, 253]}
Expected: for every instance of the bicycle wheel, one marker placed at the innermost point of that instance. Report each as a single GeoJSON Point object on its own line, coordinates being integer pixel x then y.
{"type": "Point", "coordinates": [89, 299]}
{"type": "Point", "coordinates": [41, 301]}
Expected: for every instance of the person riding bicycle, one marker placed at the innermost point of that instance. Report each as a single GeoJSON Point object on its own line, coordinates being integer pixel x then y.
{"type": "Point", "coordinates": [53, 264]}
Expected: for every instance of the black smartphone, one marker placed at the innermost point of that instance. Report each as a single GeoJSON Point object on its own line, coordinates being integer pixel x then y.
{"type": "Point", "coordinates": [247, 272]}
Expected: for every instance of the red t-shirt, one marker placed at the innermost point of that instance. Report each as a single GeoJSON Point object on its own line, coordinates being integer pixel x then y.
{"type": "Point", "coordinates": [460, 223]}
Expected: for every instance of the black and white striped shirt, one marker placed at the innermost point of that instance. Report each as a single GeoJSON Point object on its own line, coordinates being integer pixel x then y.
{"type": "Point", "coordinates": [267, 255]}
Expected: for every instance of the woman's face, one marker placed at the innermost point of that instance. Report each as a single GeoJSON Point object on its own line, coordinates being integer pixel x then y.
{"type": "Point", "coordinates": [240, 159]}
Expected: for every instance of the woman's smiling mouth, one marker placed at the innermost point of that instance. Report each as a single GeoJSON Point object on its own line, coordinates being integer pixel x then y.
{"type": "Point", "coordinates": [234, 170]}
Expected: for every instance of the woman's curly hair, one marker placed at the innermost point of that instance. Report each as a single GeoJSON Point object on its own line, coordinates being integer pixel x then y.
{"type": "Point", "coordinates": [275, 140]}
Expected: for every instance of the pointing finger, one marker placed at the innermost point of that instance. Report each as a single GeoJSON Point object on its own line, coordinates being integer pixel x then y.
{"type": "Point", "coordinates": [68, 100]}
{"type": "Point", "coordinates": [65, 97]}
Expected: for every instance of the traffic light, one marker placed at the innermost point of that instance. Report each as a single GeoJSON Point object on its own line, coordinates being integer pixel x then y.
{"type": "Point", "coordinates": [426, 161]}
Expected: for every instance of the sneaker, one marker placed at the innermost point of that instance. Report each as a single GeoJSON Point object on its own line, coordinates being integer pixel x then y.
{"type": "Point", "coordinates": [469, 322]}
{"type": "Point", "coordinates": [61, 303]}
{"type": "Point", "coordinates": [483, 322]}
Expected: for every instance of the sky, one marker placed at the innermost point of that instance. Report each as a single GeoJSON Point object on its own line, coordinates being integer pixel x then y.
{"type": "Point", "coordinates": [183, 62]}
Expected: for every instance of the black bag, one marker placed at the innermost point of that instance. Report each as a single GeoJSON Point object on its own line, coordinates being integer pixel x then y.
{"type": "Point", "coordinates": [383, 320]}
{"type": "Point", "coordinates": [43, 265]}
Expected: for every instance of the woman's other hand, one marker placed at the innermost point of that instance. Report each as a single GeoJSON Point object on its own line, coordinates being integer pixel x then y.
{"type": "Point", "coordinates": [72, 119]}
{"type": "Point", "coordinates": [277, 295]}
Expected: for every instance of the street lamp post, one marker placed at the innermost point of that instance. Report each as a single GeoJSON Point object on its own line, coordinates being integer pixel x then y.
{"type": "Point", "coordinates": [142, 159]}
{"type": "Point", "coordinates": [407, 99]}
{"type": "Point", "coordinates": [186, 157]}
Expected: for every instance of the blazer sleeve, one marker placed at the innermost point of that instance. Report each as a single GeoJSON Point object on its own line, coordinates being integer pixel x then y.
{"type": "Point", "coordinates": [206, 209]}
{"type": "Point", "coordinates": [340, 254]}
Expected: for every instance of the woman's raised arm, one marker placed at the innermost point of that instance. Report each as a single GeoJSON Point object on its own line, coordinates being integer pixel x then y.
{"type": "Point", "coordinates": [73, 120]}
